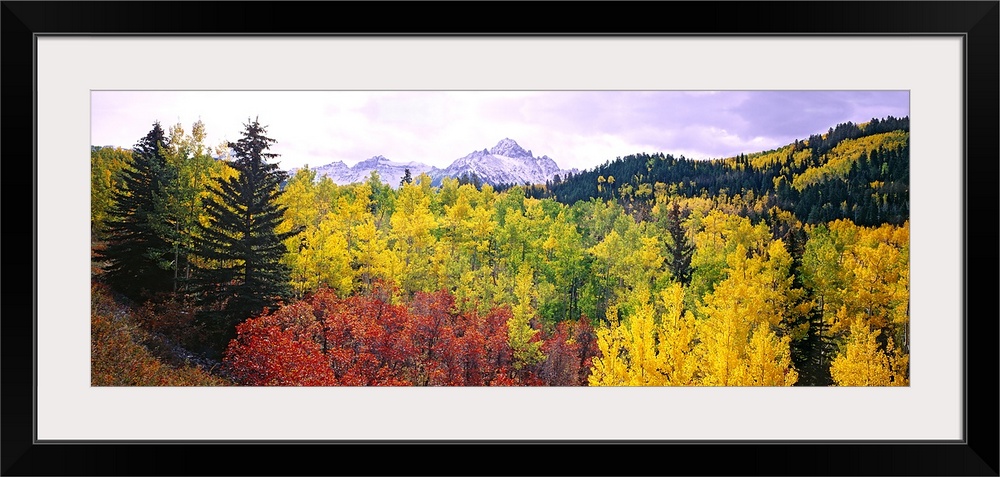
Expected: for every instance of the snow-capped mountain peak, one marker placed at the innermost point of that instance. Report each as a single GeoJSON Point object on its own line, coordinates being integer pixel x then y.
{"type": "Point", "coordinates": [505, 163]}
{"type": "Point", "coordinates": [370, 163]}
{"type": "Point", "coordinates": [509, 148]}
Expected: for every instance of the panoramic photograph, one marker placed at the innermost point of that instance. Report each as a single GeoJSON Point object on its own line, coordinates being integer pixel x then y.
{"type": "Point", "coordinates": [500, 238]}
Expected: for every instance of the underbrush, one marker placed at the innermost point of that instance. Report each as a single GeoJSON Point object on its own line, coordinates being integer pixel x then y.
{"type": "Point", "coordinates": [122, 353]}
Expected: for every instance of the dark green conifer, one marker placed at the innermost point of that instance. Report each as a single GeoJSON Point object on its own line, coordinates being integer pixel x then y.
{"type": "Point", "coordinates": [241, 274]}
{"type": "Point", "coordinates": [136, 254]}
{"type": "Point", "coordinates": [679, 248]}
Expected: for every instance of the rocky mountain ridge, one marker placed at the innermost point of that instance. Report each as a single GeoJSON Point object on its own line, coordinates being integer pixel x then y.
{"type": "Point", "coordinates": [505, 163]}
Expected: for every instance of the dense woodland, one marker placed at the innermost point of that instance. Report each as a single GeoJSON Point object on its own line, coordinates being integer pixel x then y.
{"type": "Point", "coordinates": [776, 268]}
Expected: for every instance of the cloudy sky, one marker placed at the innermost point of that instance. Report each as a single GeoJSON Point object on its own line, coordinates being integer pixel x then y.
{"type": "Point", "coordinates": [576, 128]}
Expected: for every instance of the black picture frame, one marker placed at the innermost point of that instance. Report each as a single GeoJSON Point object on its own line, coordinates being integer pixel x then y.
{"type": "Point", "coordinates": [977, 23]}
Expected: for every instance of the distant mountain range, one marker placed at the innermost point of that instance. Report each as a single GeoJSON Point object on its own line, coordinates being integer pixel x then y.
{"type": "Point", "coordinates": [391, 172]}
{"type": "Point", "coordinates": [505, 163]}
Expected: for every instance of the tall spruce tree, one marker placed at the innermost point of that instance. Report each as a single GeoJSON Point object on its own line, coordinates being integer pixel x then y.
{"type": "Point", "coordinates": [241, 274]}
{"type": "Point", "coordinates": [679, 248]}
{"type": "Point", "coordinates": [137, 255]}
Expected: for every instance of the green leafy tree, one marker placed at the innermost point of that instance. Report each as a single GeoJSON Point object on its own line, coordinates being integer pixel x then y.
{"type": "Point", "coordinates": [137, 255]}
{"type": "Point", "coordinates": [191, 171]}
{"type": "Point", "coordinates": [243, 274]}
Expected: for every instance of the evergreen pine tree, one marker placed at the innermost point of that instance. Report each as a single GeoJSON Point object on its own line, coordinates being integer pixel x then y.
{"type": "Point", "coordinates": [241, 274]}
{"type": "Point", "coordinates": [137, 255]}
{"type": "Point", "coordinates": [679, 248]}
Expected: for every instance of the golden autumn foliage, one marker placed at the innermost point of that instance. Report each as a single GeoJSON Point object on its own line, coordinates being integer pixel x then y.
{"type": "Point", "coordinates": [738, 345]}
{"type": "Point", "coordinates": [520, 335]}
{"type": "Point", "coordinates": [864, 363]}
{"type": "Point", "coordinates": [610, 367]}
{"type": "Point", "coordinates": [411, 236]}
{"type": "Point", "coordinates": [763, 291]}
{"type": "Point", "coordinates": [676, 340]}
{"type": "Point", "coordinates": [839, 160]}
{"type": "Point", "coordinates": [647, 348]}
{"type": "Point", "coordinates": [768, 361]}
{"type": "Point", "coordinates": [859, 277]}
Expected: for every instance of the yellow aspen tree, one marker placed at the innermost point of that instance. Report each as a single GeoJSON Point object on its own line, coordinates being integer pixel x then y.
{"type": "Point", "coordinates": [411, 235]}
{"type": "Point", "coordinates": [106, 163]}
{"type": "Point", "coordinates": [861, 363]}
{"type": "Point", "coordinates": [610, 367]}
{"type": "Point", "coordinates": [844, 235]}
{"type": "Point", "coordinates": [874, 287]}
{"type": "Point", "coordinates": [327, 193]}
{"type": "Point", "coordinates": [302, 274]}
{"type": "Point", "coordinates": [639, 333]}
{"type": "Point", "coordinates": [875, 277]}
{"type": "Point", "coordinates": [354, 205]}
{"type": "Point", "coordinates": [538, 222]}
{"type": "Point", "coordinates": [790, 304]}
{"type": "Point", "coordinates": [708, 262]}
{"type": "Point", "coordinates": [332, 257]}
{"type": "Point", "coordinates": [448, 192]}
{"type": "Point", "coordinates": [645, 262]}
{"type": "Point", "coordinates": [479, 227]}
{"type": "Point", "coordinates": [529, 233]}
{"type": "Point", "coordinates": [301, 213]}
{"type": "Point", "coordinates": [454, 227]}
{"type": "Point", "coordinates": [752, 296]}
{"type": "Point", "coordinates": [769, 360]}
{"type": "Point", "coordinates": [647, 349]}
{"type": "Point", "coordinates": [373, 257]}
{"type": "Point", "coordinates": [899, 363]}
{"type": "Point", "coordinates": [822, 270]}
{"type": "Point", "coordinates": [322, 261]}
{"type": "Point", "coordinates": [214, 171]}
{"type": "Point", "coordinates": [468, 231]}
{"type": "Point", "coordinates": [351, 210]}
{"type": "Point", "coordinates": [191, 171]}
{"type": "Point", "coordinates": [441, 262]}
{"type": "Point", "coordinates": [676, 341]}
{"type": "Point", "coordinates": [513, 239]}
{"type": "Point", "coordinates": [890, 264]}
{"type": "Point", "coordinates": [520, 334]}
{"type": "Point", "coordinates": [606, 269]}
{"type": "Point", "coordinates": [564, 258]}
{"type": "Point", "coordinates": [718, 236]}
{"type": "Point", "coordinates": [722, 340]}
{"type": "Point", "coordinates": [299, 200]}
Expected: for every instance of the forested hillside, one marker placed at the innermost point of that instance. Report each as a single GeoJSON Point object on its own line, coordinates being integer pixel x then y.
{"type": "Point", "coordinates": [771, 268]}
{"type": "Point", "coordinates": [856, 172]}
